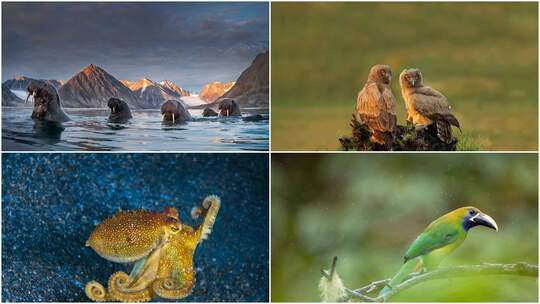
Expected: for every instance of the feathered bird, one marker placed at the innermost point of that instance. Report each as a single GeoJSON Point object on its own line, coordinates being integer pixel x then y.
{"type": "Point", "coordinates": [426, 105]}
{"type": "Point", "coordinates": [438, 240]}
{"type": "Point", "coordinates": [376, 105]}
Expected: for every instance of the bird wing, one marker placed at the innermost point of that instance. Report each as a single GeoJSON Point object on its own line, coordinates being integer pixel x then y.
{"type": "Point", "coordinates": [433, 105]}
{"type": "Point", "coordinates": [434, 237]}
{"type": "Point", "coordinates": [372, 108]}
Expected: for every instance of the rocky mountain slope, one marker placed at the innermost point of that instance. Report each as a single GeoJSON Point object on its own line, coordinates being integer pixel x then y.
{"type": "Point", "coordinates": [21, 82]}
{"type": "Point", "coordinates": [93, 86]}
{"type": "Point", "coordinates": [10, 99]}
{"type": "Point", "coordinates": [252, 87]}
{"type": "Point", "coordinates": [212, 91]}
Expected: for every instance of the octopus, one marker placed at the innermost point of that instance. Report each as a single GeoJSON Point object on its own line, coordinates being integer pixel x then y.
{"type": "Point", "coordinates": [161, 247]}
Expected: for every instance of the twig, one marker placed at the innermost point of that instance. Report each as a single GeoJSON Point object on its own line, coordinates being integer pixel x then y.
{"type": "Point", "coordinates": [519, 269]}
{"type": "Point", "coordinates": [351, 293]}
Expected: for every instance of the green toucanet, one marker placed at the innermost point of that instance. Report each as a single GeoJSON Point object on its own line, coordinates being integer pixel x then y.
{"type": "Point", "coordinates": [439, 239]}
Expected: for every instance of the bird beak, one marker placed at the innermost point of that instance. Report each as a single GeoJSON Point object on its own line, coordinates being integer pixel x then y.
{"type": "Point", "coordinates": [413, 81]}
{"type": "Point", "coordinates": [484, 220]}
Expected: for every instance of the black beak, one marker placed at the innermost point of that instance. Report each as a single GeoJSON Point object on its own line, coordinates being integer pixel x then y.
{"type": "Point", "coordinates": [482, 219]}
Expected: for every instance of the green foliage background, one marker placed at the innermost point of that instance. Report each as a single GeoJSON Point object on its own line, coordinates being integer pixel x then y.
{"type": "Point", "coordinates": [367, 209]}
{"type": "Point", "coordinates": [482, 56]}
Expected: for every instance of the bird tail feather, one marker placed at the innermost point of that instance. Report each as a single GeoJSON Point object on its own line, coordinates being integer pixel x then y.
{"type": "Point", "coordinates": [404, 271]}
{"type": "Point", "coordinates": [444, 131]}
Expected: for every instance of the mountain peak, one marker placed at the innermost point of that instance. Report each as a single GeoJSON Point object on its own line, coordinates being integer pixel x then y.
{"type": "Point", "coordinates": [91, 68]}
{"type": "Point", "coordinates": [92, 87]}
{"type": "Point", "coordinates": [212, 91]}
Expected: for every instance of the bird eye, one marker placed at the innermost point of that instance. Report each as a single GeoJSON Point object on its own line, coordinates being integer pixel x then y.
{"type": "Point", "coordinates": [472, 212]}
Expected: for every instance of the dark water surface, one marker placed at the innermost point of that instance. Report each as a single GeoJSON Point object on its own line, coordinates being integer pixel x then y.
{"type": "Point", "coordinates": [89, 130]}
{"type": "Point", "coordinates": [52, 202]}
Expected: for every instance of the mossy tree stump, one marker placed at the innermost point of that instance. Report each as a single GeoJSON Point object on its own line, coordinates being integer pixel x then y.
{"type": "Point", "coordinates": [407, 138]}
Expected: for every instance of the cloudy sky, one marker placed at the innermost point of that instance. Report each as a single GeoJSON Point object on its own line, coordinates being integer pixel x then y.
{"type": "Point", "coordinates": [189, 43]}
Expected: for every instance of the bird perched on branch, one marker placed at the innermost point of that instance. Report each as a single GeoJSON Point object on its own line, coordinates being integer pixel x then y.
{"type": "Point", "coordinates": [426, 105]}
{"type": "Point", "coordinates": [439, 239]}
{"type": "Point", "coordinates": [376, 105]}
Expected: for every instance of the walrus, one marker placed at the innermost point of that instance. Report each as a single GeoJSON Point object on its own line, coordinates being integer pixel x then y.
{"type": "Point", "coordinates": [208, 112]}
{"type": "Point", "coordinates": [229, 107]}
{"type": "Point", "coordinates": [120, 112]}
{"type": "Point", "coordinates": [46, 102]}
{"type": "Point", "coordinates": [175, 112]}
{"type": "Point", "coordinates": [256, 117]}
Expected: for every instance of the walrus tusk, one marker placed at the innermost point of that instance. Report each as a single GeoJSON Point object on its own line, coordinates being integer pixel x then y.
{"type": "Point", "coordinates": [162, 116]}
{"type": "Point", "coordinates": [113, 109]}
{"type": "Point", "coordinates": [27, 96]}
{"type": "Point", "coordinates": [227, 112]}
{"type": "Point", "coordinates": [172, 117]}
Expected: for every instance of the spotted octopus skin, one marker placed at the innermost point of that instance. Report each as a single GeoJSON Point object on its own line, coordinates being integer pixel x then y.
{"type": "Point", "coordinates": [131, 235]}
{"type": "Point", "coordinates": [167, 271]}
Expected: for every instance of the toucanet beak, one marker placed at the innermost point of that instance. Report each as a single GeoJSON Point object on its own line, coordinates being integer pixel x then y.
{"type": "Point", "coordinates": [484, 220]}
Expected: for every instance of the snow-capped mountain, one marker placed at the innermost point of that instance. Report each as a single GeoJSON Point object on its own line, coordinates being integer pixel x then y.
{"type": "Point", "coordinates": [153, 93]}
{"type": "Point", "coordinates": [20, 83]}
{"type": "Point", "coordinates": [212, 91]}
{"type": "Point", "coordinates": [169, 85]}
{"type": "Point", "coordinates": [10, 99]}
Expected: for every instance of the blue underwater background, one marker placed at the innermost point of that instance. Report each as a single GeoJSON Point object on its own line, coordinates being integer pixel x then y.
{"type": "Point", "coordinates": [52, 202]}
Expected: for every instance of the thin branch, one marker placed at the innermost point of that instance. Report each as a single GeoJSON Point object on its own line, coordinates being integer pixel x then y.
{"type": "Point", "coordinates": [519, 269]}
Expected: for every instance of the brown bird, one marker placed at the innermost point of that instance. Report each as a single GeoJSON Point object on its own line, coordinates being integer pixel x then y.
{"type": "Point", "coordinates": [376, 105]}
{"type": "Point", "coordinates": [426, 105]}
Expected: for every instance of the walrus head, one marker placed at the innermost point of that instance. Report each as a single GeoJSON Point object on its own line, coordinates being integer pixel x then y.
{"type": "Point", "coordinates": [170, 112]}
{"type": "Point", "coordinates": [116, 105]}
{"type": "Point", "coordinates": [228, 107]}
{"type": "Point", "coordinates": [46, 102]}
{"type": "Point", "coordinates": [43, 99]}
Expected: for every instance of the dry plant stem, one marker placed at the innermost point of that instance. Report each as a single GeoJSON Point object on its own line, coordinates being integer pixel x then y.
{"type": "Point", "coordinates": [519, 269]}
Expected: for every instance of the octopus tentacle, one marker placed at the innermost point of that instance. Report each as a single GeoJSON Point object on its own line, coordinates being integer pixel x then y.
{"type": "Point", "coordinates": [170, 288]}
{"type": "Point", "coordinates": [119, 289]}
{"type": "Point", "coordinates": [96, 292]}
{"type": "Point", "coordinates": [211, 205]}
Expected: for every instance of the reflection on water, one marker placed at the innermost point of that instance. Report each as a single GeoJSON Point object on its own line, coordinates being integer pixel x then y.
{"type": "Point", "coordinates": [89, 130]}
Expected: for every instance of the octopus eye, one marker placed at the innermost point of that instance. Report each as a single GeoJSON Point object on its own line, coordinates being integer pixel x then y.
{"type": "Point", "coordinates": [174, 228]}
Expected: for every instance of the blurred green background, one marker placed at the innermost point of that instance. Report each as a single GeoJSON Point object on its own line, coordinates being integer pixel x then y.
{"type": "Point", "coordinates": [368, 208]}
{"type": "Point", "coordinates": [482, 56]}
